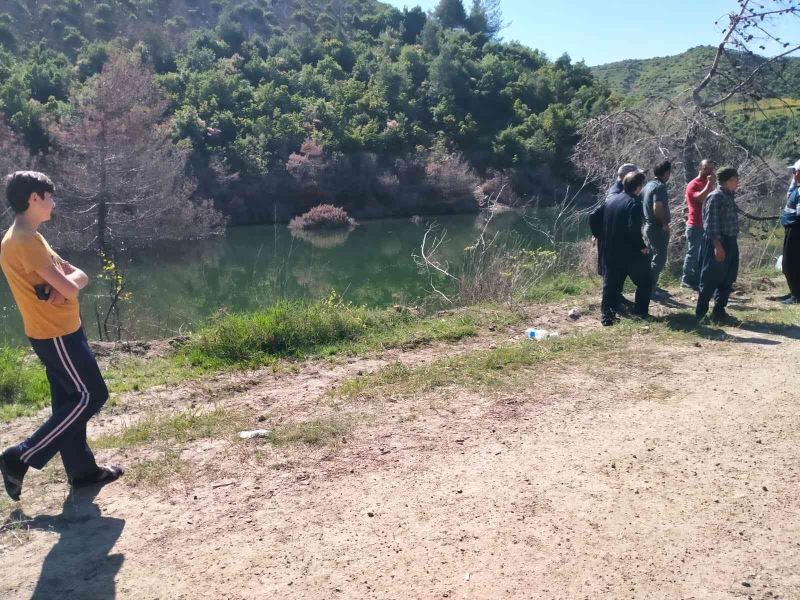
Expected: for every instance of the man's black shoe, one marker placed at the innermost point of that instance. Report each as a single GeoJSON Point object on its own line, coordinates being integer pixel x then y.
{"type": "Point", "coordinates": [779, 298]}
{"type": "Point", "coordinates": [790, 300]}
{"type": "Point", "coordinates": [690, 286]}
{"type": "Point", "coordinates": [721, 317]}
{"type": "Point", "coordinates": [13, 471]}
{"type": "Point", "coordinates": [607, 322]}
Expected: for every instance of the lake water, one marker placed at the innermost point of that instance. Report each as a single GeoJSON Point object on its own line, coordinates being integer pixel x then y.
{"type": "Point", "coordinates": [174, 286]}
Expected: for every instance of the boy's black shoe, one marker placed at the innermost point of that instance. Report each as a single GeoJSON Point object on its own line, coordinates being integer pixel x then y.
{"type": "Point", "coordinates": [101, 476]}
{"type": "Point", "coordinates": [13, 471]}
{"type": "Point", "coordinates": [790, 300]}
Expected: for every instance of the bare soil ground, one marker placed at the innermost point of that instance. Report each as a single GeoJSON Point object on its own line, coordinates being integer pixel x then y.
{"type": "Point", "coordinates": [656, 470]}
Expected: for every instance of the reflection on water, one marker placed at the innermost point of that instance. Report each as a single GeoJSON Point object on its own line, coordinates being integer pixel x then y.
{"type": "Point", "coordinates": [322, 239]}
{"type": "Point", "coordinates": [176, 285]}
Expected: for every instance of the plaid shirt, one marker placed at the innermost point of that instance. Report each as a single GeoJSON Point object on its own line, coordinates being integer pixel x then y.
{"type": "Point", "coordinates": [720, 215]}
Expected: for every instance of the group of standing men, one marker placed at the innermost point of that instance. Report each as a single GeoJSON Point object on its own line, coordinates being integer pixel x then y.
{"type": "Point", "coordinates": [632, 229]}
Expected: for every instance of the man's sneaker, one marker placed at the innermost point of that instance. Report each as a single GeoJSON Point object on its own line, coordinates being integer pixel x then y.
{"type": "Point", "coordinates": [790, 300]}
{"type": "Point", "coordinates": [13, 471]}
{"type": "Point", "coordinates": [607, 321]}
{"type": "Point", "coordinates": [690, 286]}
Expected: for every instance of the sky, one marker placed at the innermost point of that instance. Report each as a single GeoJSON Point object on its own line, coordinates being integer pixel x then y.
{"type": "Point", "coordinates": [592, 30]}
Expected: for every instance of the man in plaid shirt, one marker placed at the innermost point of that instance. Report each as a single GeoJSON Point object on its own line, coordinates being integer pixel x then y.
{"type": "Point", "coordinates": [719, 257]}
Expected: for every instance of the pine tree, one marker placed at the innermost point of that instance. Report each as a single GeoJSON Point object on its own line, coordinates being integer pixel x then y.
{"type": "Point", "coordinates": [124, 179]}
{"type": "Point", "coordinates": [485, 18]}
{"type": "Point", "coordinates": [450, 13]}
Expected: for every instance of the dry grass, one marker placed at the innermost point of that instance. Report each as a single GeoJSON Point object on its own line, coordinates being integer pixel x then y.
{"type": "Point", "coordinates": [180, 428]}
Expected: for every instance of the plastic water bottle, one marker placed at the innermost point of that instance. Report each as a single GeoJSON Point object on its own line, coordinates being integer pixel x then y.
{"type": "Point", "coordinates": [539, 334]}
{"type": "Point", "coordinates": [254, 433]}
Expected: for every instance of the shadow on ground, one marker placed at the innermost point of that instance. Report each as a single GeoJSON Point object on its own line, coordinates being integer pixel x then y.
{"type": "Point", "coordinates": [664, 298]}
{"type": "Point", "coordinates": [783, 329]}
{"type": "Point", "coordinates": [79, 565]}
{"type": "Point", "coordinates": [686, 322]}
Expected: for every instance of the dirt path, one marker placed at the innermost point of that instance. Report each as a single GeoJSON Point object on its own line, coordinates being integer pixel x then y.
{"type": "Point", "coordinates": [669, 472]}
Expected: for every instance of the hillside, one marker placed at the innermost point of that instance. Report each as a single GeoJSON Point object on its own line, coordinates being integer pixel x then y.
{"type": "Point", "coordinates": [673, 75]}
{"type": "Point", "coordinates": [354, 102]}
{"type": "Point", "coordinates": [770, 124]}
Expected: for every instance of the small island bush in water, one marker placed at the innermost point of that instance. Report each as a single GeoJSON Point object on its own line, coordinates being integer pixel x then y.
{"type": "Point", "coordinates": [322, 217]}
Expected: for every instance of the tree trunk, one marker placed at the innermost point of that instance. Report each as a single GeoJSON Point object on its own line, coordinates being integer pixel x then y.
{"type": "Point", "coordinates": [102, 200]}
{"type": "Point", "coordinates": [690, 166]}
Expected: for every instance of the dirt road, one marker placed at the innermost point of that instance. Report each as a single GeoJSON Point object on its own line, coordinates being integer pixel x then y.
{"type": "Point", "coordinates": [660, 471]}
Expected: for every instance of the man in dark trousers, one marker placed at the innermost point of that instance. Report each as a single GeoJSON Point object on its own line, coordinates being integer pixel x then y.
{"type": "Point", "coordinates": [624, 251]}
{"type": "Point", "coordinates": [596, 218]}
{"type": "Point", "coordinates": [719, 258]}
{"type": "Point", "coordinates": [790, 219]}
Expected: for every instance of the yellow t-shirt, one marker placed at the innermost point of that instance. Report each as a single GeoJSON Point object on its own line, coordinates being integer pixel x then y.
{"type": "Point", "coordinates": [22, 253]}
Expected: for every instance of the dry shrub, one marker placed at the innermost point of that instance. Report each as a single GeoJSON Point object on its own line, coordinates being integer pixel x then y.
{"type": "Point", "coordinates": [451, 177]}
{"type": "Point", "coordinates": [324, 216]}
{"type": "Point", "coordinates": [498, 188]}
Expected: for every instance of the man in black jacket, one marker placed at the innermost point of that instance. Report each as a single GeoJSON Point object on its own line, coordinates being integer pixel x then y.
{"type": "Point", "coordinates": [596, 218]}
{"type": "Point", "coordinates": [624, 253]}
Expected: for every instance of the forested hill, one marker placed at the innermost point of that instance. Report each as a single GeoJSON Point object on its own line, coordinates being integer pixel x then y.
{"type": "Point", "coordinates": [769, 121]}
{"type": "Point", "coordinates": [672, 75]}
{"type": "Point", "coordinates": [288, 103]}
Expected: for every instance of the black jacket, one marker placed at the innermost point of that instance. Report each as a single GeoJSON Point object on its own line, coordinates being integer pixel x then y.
{"type": "Point", "coordinates": [621, 230]}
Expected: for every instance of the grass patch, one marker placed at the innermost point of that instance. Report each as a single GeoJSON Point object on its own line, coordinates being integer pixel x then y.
{"type": "Point", "coordinates": [484, 368]}
{"type": "Point", "coordinates": [134, 374]}
{"type": "Point", "coordinates": [778, 320]}
{"type": "Point", "coordinates": [286, 329]}
{"type": "Point", "coordinates": [315, 432]}
{"type": "Point", "coordinates": [23, 384]}
{"type": "Point", "coordinates": [560, 287]}
{"type": "Point", "coordinates": [157, 471]}
{"type": "Point", "coordinates": [180, 428]}
{"type": "Point", "coordinates": [297, 330]}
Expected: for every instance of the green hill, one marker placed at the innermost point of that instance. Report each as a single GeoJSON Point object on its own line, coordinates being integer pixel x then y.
{"type": "Point", "coordinates": [770, 122]}
{"type": "Point", "coordinates": [671, 76]}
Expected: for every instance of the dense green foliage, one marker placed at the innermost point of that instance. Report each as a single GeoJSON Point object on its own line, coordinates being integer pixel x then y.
{"type": "Point", "coordinates": [383, 92]}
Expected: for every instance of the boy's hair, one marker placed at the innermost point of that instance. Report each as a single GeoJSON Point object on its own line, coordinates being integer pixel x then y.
{"type": "Point", "coordinates": [633, 181]}
{"type": "Point", "coordinates": [662, 168]}
{"type": "Point", "coordinates": [21, 184]}
{"type": "Point", "coordinates": [726, 173]}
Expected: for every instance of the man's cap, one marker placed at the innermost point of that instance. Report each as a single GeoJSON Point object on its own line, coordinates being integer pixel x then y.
{"type": "Point", "coordinates": [795, 166]}
{"type": "Point", "coordinates": [626, 168]}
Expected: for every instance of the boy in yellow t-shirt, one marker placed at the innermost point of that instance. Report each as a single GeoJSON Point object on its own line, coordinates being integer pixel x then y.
{"type": "Point", "coordinates": [46, 288]}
